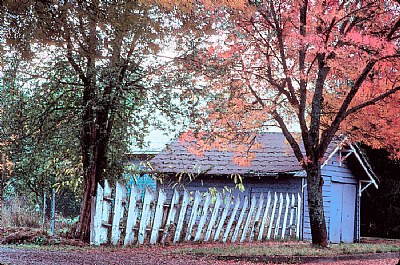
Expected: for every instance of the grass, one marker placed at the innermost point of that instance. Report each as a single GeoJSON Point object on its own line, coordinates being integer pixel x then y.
{"type": "Point", "coordinates": [50, 247]}
{"type": "Point", "coordinates": [290, 249]}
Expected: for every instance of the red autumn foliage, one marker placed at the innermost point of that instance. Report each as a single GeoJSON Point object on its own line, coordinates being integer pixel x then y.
{"type": "Point", "coordinates": [322, 67]}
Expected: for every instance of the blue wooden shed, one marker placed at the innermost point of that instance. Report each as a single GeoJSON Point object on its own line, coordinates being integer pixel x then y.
{"type": "Point", "coordinates": [346, 174]}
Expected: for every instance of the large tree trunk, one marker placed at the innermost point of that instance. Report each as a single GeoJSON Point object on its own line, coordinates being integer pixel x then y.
{"type": "Point", "coordinates": [316, 205]}
{"type": "Point", "coordinates": [89, 161]}
{"type": "Point", "coordinates": [92, 176]}
{"type": "Point", "coordinates": [89, 138]}
{"type": "Point", "coordinates": [94, 142]}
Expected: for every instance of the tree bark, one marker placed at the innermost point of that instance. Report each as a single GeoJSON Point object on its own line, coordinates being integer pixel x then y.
{"type": "Point", "coordinates": [94, 144]}
{"type": "Point", "coordinates": [316, 205]}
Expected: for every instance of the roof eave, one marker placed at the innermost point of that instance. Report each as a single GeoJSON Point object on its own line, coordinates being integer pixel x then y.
{"type": "Point", "coordinates": [365, 165]}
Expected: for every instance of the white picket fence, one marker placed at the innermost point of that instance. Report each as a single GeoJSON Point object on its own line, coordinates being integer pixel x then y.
{"type": "Point", "coordinates": [191, 217]}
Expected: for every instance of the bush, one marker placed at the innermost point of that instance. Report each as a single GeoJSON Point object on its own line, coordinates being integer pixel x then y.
{"type": "Point", "coordinates": [18, 212]}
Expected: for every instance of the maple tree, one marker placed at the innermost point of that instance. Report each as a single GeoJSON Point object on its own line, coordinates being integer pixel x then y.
{"type": "Point", "coordinates": [326, 67]}
{"type": "Point", "coordinates": [98, 72]}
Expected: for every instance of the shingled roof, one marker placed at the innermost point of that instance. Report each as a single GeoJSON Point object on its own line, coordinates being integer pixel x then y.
{"type": "Point", "coordinates": [274, 156]}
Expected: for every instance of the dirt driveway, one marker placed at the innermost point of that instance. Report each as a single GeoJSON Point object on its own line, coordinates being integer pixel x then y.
{"type": "Point", "coordinates": [143, 255]}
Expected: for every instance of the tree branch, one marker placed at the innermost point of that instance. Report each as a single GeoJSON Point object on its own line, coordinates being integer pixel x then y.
{"type": "Point", "coordinates": [289, 137]}
{"type": "Point", "coordinates": [329, 133]}
{"type": "Point", "coordinates": [303, 83]}
{"type": "Point", "coordinates": [317, 101]}
{"type": "Point", "coordinates": [74, 65]}
{"type": "Point", "coordinates": [372, 101]}
{"type": "Point", "coordinates": [292, 98]}
{"type": "Point", "coordinates": [395, 27]}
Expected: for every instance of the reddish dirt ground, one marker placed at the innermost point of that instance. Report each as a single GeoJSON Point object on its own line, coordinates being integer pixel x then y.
{"type": "Point", "coordinates": [143, 255]}
{"type": "Point", "coordinates": [154, 255]}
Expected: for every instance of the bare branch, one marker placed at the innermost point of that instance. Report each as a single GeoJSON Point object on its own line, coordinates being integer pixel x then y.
{"type": "Point", "coordinates": [329, 133]}
{"type": "Point", "coordinates": [373, 101]}
{"type": "Point", "coordinates": [289, 137]}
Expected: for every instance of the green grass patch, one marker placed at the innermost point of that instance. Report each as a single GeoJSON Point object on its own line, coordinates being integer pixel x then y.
{"type": "Point", "coordinates": [32, 246]}
{"type": "Point", "coordinates": [288, 249]}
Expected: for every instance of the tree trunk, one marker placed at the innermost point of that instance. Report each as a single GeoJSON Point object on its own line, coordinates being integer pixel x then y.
{"type": "Point", "coordinates": [316, 205]}
{"type": "Point", "coordinates": [94, 146]}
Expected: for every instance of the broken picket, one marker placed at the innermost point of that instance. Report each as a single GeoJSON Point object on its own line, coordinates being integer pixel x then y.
{"type": "Point", "coordinates": [131, 219]}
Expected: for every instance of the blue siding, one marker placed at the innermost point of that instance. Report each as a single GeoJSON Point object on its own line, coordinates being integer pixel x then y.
{"type": "Point", "coordinates": [141, 182]}
{"type": "Point", "coordinates": [288, 185]}
{"type": "Point", "coordinates": [340, 172]}
{"type": "Point", "coordinates": [252, 185]}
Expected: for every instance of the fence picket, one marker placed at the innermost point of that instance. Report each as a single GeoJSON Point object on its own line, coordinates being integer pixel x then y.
{"type": "Point", "coordinates": [228, 228]}
{"type": "Point", "coordinates": [146, 212]}
{"type": "Point", "coordinates": [272, 216]}
{"type": "Point", "coordinates": [298, 217]}
{"type": "Point", "coordinates": [285, 216]}
{"type": "Point", "coordinates": [265, 217]}
{"type": "Point", "coordinates": [158, 216]}
{"type": "Point", "coordinates": [132, 215]}
{"type": "Point", "coordinates": [291, 214]}
{"type": "Point", "coordinates": [257, 217]}
{"type": "Point", "coordinates": [239, 222]}
{"type": "Point", "coordinates": [97, 214]}
{"type": "Point", "coordinates": [279, 217]}
{"type": "Point", "coordinates": [92, 213]}
{"type": "Point", "coordinates": [221, 222]}
{"type": "Point", "coordinates": [171, 215]}
{"type": "Point", "coordinates": [120, 198]}
{"type": "Point", "coordinates": [214, 215]}
{"type": "Point", "coordinates": [203, 217]}
{"type": "Point", "coordinates": [249, 218]}
{"type": "Point", "coordinates": [193, 215]}
{"type": "Point", "coordinates": [182, 215]}
{"type": "Point", "coordinates": [105, 216]}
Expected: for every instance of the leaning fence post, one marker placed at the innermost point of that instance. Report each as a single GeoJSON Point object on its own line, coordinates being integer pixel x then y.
{"type": "Point", "coordinates": [279, 217]}
{"type": "Point", "coordinates": [171, 215]}
{"type": "Point", "coordinates": [217, 203]}
{"type": "Point", "coordinates": [285, 216]}
{"type": "Point", "coordinates": [239, 221]}
{"type": "Point", "coordinates": [159, 211]}
{"type": "Point", "coordinates": [53, 212]}
{"type": "Point", "coordinates": [182, 214]}
{"type": "Point", "coordinates": [257, 217]}
{"type": "Point", "coordinates": [44, 211]}
{"type": "Point", "coordinates": [133, 213]}
{"type": "Point", "coordinates": [272, 216]}
{"type": "Point", "coordinates": [264, 218]}
{"type": "Point", "coordinates": [223, 217]}
{"type": "Point", "coordinates": [231, 220]}
{"type": "Point", "coordinates": [249, 217]}
{"type": "Point", "coordinates": [146, 212]}
{"type": "Point", "coordinates": [203, 217]}
{"type": "Point", "coordinates": [193, 215]}
{"type": "Point", "coordinates": [120, 198]}
{"type": "Point", "coordinates": [298, 217]}
{"type": "Point", "coordinates": [97, 202]}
